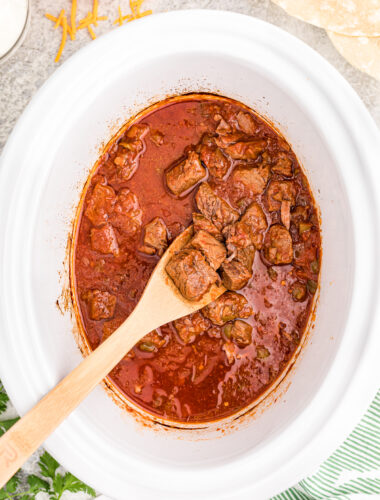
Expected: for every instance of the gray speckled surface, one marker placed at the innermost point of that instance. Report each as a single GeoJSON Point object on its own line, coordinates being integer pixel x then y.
{"type": "Point", "coordinates": [33, 63]}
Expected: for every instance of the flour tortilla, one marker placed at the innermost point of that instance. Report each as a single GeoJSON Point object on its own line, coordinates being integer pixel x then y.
{"type": "Point", "coordinates": [347, 17]}
{"type": "Point", "coordinates": [361, 52]}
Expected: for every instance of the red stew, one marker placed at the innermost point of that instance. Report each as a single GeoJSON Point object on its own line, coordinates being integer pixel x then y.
{"type": "Point", "coordinates": [210, 161]}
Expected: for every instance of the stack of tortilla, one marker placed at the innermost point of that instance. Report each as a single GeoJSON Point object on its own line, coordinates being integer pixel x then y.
{"type": "Point", "coordinates": [353, 27]}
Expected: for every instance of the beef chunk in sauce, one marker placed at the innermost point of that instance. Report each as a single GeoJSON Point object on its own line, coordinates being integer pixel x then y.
{"type": "Point", "coordinates": [246, 256]}
{"type": "Point", "coordinates": [201, 223]}
{"type": "Point", "coordinates": [212, 249]}
{"type": "Point", "coordinates": [216, 162]}
{"type": "Point", "coordinates": [279, 191]}
{"type": "Point", "coordinates": [248, 230]}
{"type": "Point", "coordinates": [249, 150]}
{"type": "Point", "coordinates": [251, 180]}
{"type": "Point", "coordinates": [189, 327]}
{"type": "Point", "coordinates": [126, 215]}
{"type": "Point", "coordinates": [103, 240]}
{"type": "Point", "coordinates": [214, 208]}
{"type": "Point", "coordinates": [156, 235]}
{"type": "Point", "coordinates": [137, 132]}
{"type": "Point", "coordinates": [239, 332]}
{"type": "Point", "coordinates": [100, 204]}
{"type": "Point", "coordinates": [230, 349]}
{"type": "Point", "coordinates": [278, 246]}
{"type": "Point", "coordinates": [226, 139]}
{"type": "Point", "coordinates": [191, 274]}
{"type": "Point", "coordinates": [101, 304]}
{"type": "Point", "coordinates": [246, 123]}
{"type": "Point", "coordinates": [283, 165]}
{"type": "Point", "coordinates": [227, 307]}
{"type": "Point", "coordinates": [235, 275]}
{"type": "Point", "coordinates": [182, 177]}
{"type": "Point", "coordinates": [130, 148]}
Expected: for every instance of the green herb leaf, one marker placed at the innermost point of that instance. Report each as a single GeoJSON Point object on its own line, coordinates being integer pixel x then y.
{"type": "Point", "coordinates": [58, 485]}
{"type": "Point", "coordinates": [7, 424]}
{"type": "Point", "coordinates": [3, 400]}
{"type": "Point", "coordinates": [37, 484]}
{"type": "Point", "coordinates": [3, 494]}
{"type": "Point", "coordinates": [73, 484]}
{"type": "Point", "coordinates": [48, 465]}
{"type": "Point", "coordinates": [12, 484]}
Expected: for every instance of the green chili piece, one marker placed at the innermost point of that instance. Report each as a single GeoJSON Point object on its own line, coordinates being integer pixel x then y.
{"type": "Point", "coordinates": [314, 266]}
{"type": "Point", "coordinates": [147, 346]}
{"type": "Point", "coordinates": [312, 286]}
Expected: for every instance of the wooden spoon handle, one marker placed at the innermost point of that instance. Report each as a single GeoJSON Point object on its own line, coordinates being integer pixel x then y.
{"type": "Point", "coordinates": [30, 431]}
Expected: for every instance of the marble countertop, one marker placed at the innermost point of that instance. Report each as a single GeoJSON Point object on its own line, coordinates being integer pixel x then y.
{"type": "Point", "coordinates": [33, 63]}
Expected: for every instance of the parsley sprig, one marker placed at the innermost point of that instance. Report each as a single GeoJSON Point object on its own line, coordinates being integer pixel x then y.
{"type": "Point", "coordinates": [51, 481]}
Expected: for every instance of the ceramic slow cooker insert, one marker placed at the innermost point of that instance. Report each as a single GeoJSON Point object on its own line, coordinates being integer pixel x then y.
{"type": "Point", "coordinates": [63, 131]}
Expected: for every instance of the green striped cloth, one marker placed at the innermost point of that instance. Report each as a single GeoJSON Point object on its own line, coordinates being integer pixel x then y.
{"type": "Point", "coordinates": [352, 471]}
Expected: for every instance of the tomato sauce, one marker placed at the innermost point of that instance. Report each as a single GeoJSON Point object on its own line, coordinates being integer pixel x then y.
{"type": "Point", "coordinates": [208, 377]}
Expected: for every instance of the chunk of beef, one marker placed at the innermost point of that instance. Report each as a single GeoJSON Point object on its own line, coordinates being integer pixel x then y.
{"type": "Point", "coordinates": [223, 126]}
{"type": "Point", "coordinates": [216, 162]}
{"type": "Point", "coordinates": [156, 235]}
{"type": "Point", "coordinates": [191, 274]}
{"type": "Point", "coordinates": [227, 307]}
{"type": "Point", "coordinates": [130, 147]}
{"type": "Point", "coordinates": [230, 349]}
{"type": "Point", "coordinates": [283, 165]}
{"type": "Point", "coordinates": [217, 210]}
{"type": "Point", "coordinates": [246, 256]}
{"type": "Point", "coordinates": [126, 215]}
{"type": "Point", "coordinates": [202, 224]}
{"type": "Point", "coordinates": [182, 177]}
{"type": "Point", "coordinates": [278, 246]}
{"type": "Point", "coordinates": [249, 150]}
{"type": "Point", "coordinates": [239, 332]}
{"type": "Point", "coordinates": [147, 250]}
{"type": "Point", "coordinates": [212, 249]}
{"type": "Point", "coordinates": [248, 230]}
{"type": "Point", "coordinates": [100, 204]}
{"type": "Point", "coordinates": [189, 327]}
{"type": "Point", "coordinates": [151, 342]}
{"type": "Point", "coordinates": [246, 123]}
{"type": "Point", "coordinates": [255, 219]}
{"type": "Point", "coordinates": [103, 240]}
{"type": "Point", "coordinates": [235, 275]}
{"type": "Point", "coordinates": [225, 139]}
{"type": "Point", "coordinates": [138, 131]}
{"type": "Point", "coordinates": [279, 191]}
{"type": "Point", "coordinates": [237, 236]}
{"type": "Point", "coordinates": [101, 304]}
{"type": "Point", "coordinates": [252, 179]}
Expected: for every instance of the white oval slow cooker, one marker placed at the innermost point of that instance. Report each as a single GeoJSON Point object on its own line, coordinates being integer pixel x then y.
{"type": "Point", "coordinates": [43, 169]}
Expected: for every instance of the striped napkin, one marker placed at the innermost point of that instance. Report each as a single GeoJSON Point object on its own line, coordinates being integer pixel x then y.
{"type": "Point", "coordinates": [352, 471]}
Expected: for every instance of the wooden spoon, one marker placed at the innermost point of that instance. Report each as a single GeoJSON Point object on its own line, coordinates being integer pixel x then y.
{"type": "Point", "coordinates": [160, 303]}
